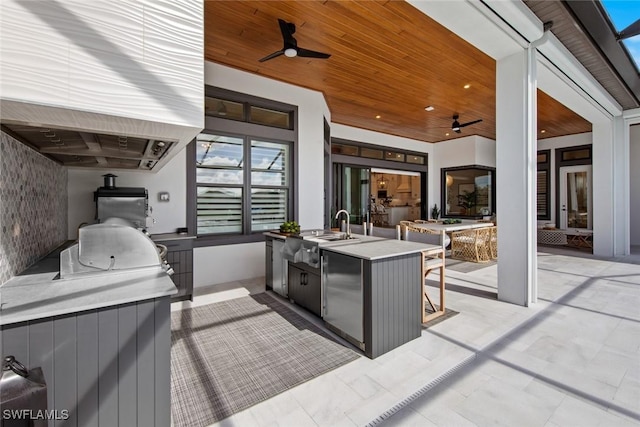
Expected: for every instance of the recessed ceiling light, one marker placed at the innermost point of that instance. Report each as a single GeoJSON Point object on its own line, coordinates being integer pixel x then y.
{"type": "Point", "coordinates": [429, 108]}
{"type": "Point", "coordinates": [378, 116]}
{"type": "Point", "coordinates": [467, 86]}
{"type": "Point", "coordinates": [446, 134]}
{"type": "Point", "coordinates": [542, 131]}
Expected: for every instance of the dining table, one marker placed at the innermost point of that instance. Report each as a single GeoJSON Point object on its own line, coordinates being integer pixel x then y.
{"type": "Point", "coordinates": [448, 228]}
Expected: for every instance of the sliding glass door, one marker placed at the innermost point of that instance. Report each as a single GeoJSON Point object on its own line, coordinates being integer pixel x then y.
{"type": "Point", "coordinates": [352, 192]}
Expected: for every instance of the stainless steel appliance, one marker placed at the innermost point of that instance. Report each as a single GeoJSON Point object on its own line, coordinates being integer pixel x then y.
{"type": "Point", "coordinates": [113, 246]}
{"type": "Point", "coordinates": [343, 296]}
{"type": "Point", "coordinates": [130, 203]}
{"type": "Point", "coordinates": [279, 268]}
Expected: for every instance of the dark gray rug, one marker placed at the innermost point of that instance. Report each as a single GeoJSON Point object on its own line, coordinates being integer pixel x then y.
{"type": "Point", "coordinates": [466, 266]}
{"type": "Point", "coordinates": [231, 355]}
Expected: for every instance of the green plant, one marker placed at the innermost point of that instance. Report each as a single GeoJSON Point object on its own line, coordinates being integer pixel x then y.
{"type": "Point", "coordinates": [290, 227]}
{"type": "Point", "coordinates": [452, 221]}
{"type": "Point", "coordinates": [468, 199]}
{"type": "Point", "coordinates": [435, 212]}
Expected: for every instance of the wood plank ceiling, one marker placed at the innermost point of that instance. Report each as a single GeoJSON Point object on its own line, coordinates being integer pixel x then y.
{"type": "Point", "coordinates": [388, 60]}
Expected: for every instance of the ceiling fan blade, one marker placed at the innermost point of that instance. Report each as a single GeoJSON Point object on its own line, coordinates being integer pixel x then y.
{"type": "Point", "coordinates": [470, 123]}
{"type": "Point", "coordinates": [273, 55]}
{"type": "Point", "coordinates": [287, 29]}
{"type": "Point", "coordinates": [306, 53]}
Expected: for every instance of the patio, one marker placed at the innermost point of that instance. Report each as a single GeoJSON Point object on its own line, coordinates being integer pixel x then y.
{"type": "Point", "coordinates": [570, 359]}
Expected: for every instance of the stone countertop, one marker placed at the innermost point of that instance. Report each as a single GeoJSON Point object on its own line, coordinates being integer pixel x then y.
{"type": "Point", "coordinates": [275, 235]}
{"type": "Point", "coordinates": [171, 236]}
{"type": "Point", "coordinates": [39, 292]}
{"type": "Point", "coordinates": [380, 248]}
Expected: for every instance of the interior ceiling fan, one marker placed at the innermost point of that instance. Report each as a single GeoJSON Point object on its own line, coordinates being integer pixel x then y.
{"type": "Point", "coordinates": [456, 125]}
{"type": "Point", "coordinates": [290, 47]}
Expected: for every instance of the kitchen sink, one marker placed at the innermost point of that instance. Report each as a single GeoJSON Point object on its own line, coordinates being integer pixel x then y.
{"type": "Point", "coordinates": [322, 236]}
{"type": "Point", "coordinates": [334, 237]}
{"type": "Point", "coordinates": [305, 247]}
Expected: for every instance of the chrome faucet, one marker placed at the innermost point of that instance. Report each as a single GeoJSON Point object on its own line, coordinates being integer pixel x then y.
{"type": "Point", "coordinates": [348, 225]}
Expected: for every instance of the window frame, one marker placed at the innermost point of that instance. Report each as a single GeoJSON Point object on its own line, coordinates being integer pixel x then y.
{"type": "Point", "coordinates": [443, 190]}
{"type": "Point", "coordinates": [544, 166]}
{"type": "Point", "coordinates": [248, 132]}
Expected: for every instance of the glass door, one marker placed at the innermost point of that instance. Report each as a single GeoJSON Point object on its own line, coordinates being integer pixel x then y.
{"type": "Point", "coordinates": [352, 185]}
{"type": "Point", "coordinates": [575, 197]}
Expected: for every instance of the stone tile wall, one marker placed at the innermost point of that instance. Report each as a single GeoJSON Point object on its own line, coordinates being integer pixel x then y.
{"type": "Point", "coordinates": [33, 206]}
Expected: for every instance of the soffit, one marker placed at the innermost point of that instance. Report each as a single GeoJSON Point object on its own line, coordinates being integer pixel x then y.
{"type": "Point", "coordinates": [568, 29]}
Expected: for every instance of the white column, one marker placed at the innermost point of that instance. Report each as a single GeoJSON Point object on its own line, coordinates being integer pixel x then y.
{"type": "Point", "coordinates": [608, 186]}
{"type": "Point", "coordinates": [621, 156]}
{"type": "Point", "coordinates": [516, 177]}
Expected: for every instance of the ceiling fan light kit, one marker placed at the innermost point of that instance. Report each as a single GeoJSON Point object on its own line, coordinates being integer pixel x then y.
{"type": "Point", "coordinates": [290, 47]}
{"type": "Point", "coordinates": [456, 126]}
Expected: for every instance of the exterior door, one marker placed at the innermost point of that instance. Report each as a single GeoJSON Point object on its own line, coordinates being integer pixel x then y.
{"type": "Point", "coordinates": [353, 189]}
{"type": "Point", "coordinates": [575, 197]}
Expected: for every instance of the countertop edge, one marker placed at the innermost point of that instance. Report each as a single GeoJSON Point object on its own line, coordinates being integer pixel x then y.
{"type": "Point", "coordinates": [28, 302]}
{"type": "Point", "coordinates": [15, 319]}
{"type": "Point", "coordinates": [171, 236]}
{"type": "Point", "coordinates": [356, 249]}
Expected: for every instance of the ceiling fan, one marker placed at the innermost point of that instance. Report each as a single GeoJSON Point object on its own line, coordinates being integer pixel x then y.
{"type": "Point", "coordinates": [290, 47]}
{"type": "Point", "coordinates": [456, 125]}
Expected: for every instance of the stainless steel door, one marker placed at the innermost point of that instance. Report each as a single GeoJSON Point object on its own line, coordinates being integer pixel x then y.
{"type": "Point", "coordinates": [343, 296]}
{"type": "Point", "coordinates": [279, 268]}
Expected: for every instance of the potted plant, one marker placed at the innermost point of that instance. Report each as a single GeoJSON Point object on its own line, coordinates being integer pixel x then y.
{"type": "Point", "coordinates": [467, 201]}
{"type": "Point", "coordinates": [435, 212]}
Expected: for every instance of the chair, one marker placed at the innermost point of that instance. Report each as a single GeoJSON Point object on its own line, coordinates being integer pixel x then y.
{"type": "Point", "coordinates": [404, 225]}
{"type": "Point", "coordinates": [493, 242]}
{"type": "Point", "coordinates": [471, 245]}
{"type": "Point", "coordinates": [431, 259]}
{"type": "Point", "coordinates": [443, 239]}
{"type": "Point", "coordinates": [387, 233]}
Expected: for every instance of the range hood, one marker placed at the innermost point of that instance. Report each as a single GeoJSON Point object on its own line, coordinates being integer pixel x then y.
{"type": "Point", "coordinates": [76, 148]}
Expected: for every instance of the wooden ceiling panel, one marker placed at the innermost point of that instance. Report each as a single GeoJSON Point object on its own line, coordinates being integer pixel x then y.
{"type": "Point", "coordinates": [388, 59]}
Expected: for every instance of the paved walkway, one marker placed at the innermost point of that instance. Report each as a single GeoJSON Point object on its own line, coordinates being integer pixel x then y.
{"type": "Point", "coordinates": [572, 359]}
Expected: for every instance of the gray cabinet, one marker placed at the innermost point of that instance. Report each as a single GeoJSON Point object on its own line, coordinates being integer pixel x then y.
{"type": "Point", "coordinates": [180, 258]}
{"type": "Point", "coordinates": [305, 287]}
{"type": "Point", "coordinates": [107, 366]}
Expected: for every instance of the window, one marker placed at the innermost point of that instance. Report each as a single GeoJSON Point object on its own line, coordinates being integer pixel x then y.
{"type": "Point", "coordinates": [242, 169]}
{"type": "Point", "coordinates": [360, 150]}
{"type": "Point", "coordinates": [543, 185]}
{"type": "Point", "coordinates": [468, 191]}
{"type": "Point", "coordinates": [222, 178]}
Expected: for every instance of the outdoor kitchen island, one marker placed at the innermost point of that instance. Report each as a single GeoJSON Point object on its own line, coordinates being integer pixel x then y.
{"type": "Point", "coordinates": [103, 341]}
{"type": "Point", "coordinates": [371, 290]}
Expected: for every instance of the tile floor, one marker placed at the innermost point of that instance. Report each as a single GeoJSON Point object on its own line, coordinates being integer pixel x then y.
{"type": "Point", "coordinates": [572, 359]}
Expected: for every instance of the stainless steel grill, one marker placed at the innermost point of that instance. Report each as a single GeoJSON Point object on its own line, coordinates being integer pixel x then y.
{"type": "Point", "coordinates": [115, 245]}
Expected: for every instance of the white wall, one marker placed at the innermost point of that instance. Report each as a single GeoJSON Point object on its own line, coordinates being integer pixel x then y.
{"type": "Point", "coordinates": [634, 172]}
{"type": "Point", "coordinates": [116, 67]}
{"type": "Point", "coordinates": [172, 178]}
